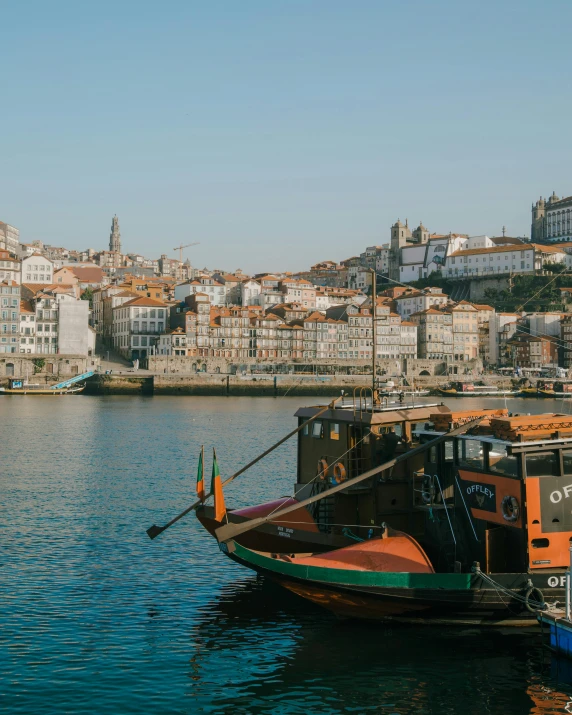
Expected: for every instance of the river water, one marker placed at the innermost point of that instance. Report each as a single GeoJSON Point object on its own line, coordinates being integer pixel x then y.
{"type": "Point", "coordinates": [96, 618]}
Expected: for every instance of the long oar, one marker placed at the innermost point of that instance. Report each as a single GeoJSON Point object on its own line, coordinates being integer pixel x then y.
{"type": "Point", "coordinates": [230, 531]}
{"type": "Point", "coordinates": [154, 530]}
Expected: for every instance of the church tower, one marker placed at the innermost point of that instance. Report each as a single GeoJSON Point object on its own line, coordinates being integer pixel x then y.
{"type": "Point", "coordinates": [537, 226]}
{"type": "Point", "coordinates": [115, 236]}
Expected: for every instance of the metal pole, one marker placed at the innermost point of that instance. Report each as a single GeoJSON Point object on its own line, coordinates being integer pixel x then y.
{"type": "Point", "coordinates": [568, 588]}
{"type": "Point", "coordinates": [373, 329]}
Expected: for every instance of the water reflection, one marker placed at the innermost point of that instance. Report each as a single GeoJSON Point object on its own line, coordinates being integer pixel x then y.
{"type": "Point", "coordinates": [95, 617]}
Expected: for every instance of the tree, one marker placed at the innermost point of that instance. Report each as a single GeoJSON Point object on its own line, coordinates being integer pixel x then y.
{"type": "Point", "coordinates": [88, 295]}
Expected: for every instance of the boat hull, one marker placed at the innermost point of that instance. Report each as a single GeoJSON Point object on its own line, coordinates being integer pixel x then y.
{"type": "Point", "coordinates": [42, 391]}
{"type": "Point", "coordinates": [444, 598]}
{"type": "Point", "coordinates": [275, 536]}
{"type": "Point", "coordinates": [484, 393]}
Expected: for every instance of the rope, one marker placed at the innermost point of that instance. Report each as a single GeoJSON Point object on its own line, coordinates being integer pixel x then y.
{"type": "Point", "coordinates": [508, 592]}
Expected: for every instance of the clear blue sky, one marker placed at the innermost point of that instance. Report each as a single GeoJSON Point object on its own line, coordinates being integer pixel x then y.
{"type": "Point", "coordinates": [279, 133]}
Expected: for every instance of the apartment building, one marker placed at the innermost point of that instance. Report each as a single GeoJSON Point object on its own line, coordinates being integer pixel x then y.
{"type": "Point", "coordinates": [9, 267]}
{"type": "Point", "coordinates": [9, 316]}
{"type": "Point", "coordinates": [137, 325]}
{"type": "Point", "coordinates": [434, 334]}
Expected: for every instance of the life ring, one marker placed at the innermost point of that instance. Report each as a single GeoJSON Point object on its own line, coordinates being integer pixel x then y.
{"type": "Point", "coordinates": [322, 470]}
{"type": "Point", "coordinates": [340, 474]}
{"type": "Point", "coordinates": [538, 597]}
{"type": "Point", "coordinates": [427, 490]}
{"type": "Point", "coordinates": [510, 508]}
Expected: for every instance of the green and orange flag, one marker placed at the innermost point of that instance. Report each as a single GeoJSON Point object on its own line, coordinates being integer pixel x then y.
{"type": "Point", "coordinates": [216, 489]}
{"type": "Point", "coordinates": [201, 476]}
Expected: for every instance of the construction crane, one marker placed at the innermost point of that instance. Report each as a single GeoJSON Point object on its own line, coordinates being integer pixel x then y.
{"type": "Point", "coordinates": [180, 249]}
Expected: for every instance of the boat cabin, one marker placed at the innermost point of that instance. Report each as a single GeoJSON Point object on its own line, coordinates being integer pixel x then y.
{"type": "Point", "coordinates": [500, 495]}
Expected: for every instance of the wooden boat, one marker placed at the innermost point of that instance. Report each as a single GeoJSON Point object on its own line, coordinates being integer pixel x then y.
{"type": "Point", "coordinates": [416, 513]}
{"type": "Point", "coordinates": [71, 386]}
{"type": "Point", "coordinates": [459, 529]}
{"type": "Point", "coordinates": [470, 389]}
{"type": "Point", "coordinates": [555, 389]}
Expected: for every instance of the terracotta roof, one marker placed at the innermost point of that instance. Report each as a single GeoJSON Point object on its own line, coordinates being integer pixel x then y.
{"type": "Point", "coordinates": [480, 306]}
{"type": "Point", "coordinates": [26, 307]}
{"type": "Point", "coordinates": [9, 283]}
{"type": "Point", "coordinates": [509, 248]}
{"type": "Point", "coordinates": [408, 323]}
{"type": "Point", "coordinates": [36, 287]}
{"type": "Point", "coordinates": [87, 274]}
{"type": "Point", "coordinates": [144, 302]}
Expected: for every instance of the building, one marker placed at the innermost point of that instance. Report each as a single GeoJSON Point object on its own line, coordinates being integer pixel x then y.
{"type": "Point", "coordinates": [465, 331]}
{"type": "Point", "coordinates": [174, 342]}
{"type": "Point", "coordinates": [250, 291]}
{"type": "Point", "coordinates": [207, 285]}
{"type": "Point", "coordinates": [434, 334]}
{"type": "Point", "coordinates": [552, 219]}
{"type": "Point", "coordinates": [115, 236]}
{"type": "Point", "coordinates": [9, 267]}
{"type": "Point", "coordinates": [411, 301]}
{"type": "Point", "coordinates": [137, 325]}
{"type": "Point", "coordinates": [27, 327]}
{"type": "Point", "coordinates": [74, 334]}
{"type": "Point", "coordinates": [37, 269]}
{"type": "Point", "coordinates": [533, 352]}
{"type": "Point", "coordinates": [498, 260]}
{"type": "Point", "coordinates": [502, 328]}
{"type": "Point", "coordinates": [566, 338]}
{"type": "Point", "coordinates": [9, 237]}
{"type": "Point", "coordinates": [9, 316]}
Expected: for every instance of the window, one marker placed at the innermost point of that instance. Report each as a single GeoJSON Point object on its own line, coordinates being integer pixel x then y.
{"type": "Point", "coordinates": [317, 430]}
{"type": "Point", "coordinates": [334, 430]}
{"type": "Point", "coordinates": [501, 462]}
{"type": "Point", "coordinates": [471, 454]}
{"type": "Point", "coordinates": [544, 464]}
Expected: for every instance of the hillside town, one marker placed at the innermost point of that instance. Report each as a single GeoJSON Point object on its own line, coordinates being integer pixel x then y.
{"type": "Point", "coordinates": [440, 298]}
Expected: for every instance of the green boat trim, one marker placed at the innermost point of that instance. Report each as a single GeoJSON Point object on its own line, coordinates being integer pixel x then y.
{"type": "Point", "coordinates": [348, 577]}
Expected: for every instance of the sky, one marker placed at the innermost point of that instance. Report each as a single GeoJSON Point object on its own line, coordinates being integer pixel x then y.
{"type": "Point", "coordinates": [280, 133]}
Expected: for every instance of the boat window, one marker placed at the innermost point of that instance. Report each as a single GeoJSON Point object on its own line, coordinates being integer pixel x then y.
{"type": "Point", "coordinates": [449, 451]}
{"type": "Point", "coordinates": [501, 462]}
{"type": "Point", "coordinates": [334, 430]}
{"type": "Point", "coordinates": [567, 461]}
{"type": "Point", "coordinates": [544, 464]}
{"type": "Point", "coordinates": [306, 430]}
{"type": "Point", "coordinates": [398, 429]}
{"type": "Point", "coordinates": [471, 454]}
{"type": "Point", "coordinates": [317, 430]}
{"type": "Point", "coordinates": [433, 455]}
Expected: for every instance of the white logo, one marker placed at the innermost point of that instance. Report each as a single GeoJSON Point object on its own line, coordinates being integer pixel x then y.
{"type": "Point", "coordinates": [556, 496]}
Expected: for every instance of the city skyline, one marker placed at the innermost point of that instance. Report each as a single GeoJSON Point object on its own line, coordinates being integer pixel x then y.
{"type": "Point", "coordinates": [279, 136]}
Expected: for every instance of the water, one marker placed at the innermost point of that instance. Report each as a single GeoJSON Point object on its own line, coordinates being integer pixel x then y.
{"type": "Point", "coordinates": [95, 617]}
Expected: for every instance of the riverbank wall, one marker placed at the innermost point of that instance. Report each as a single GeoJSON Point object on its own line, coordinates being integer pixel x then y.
{"type": "Point", "coordinates": [206, 384]}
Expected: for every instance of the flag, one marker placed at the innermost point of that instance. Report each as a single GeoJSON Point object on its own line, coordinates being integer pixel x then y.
{"type": "Point", "coordinates": [201, 477]}
{"type": "Point", "coordinates": [216, 489]}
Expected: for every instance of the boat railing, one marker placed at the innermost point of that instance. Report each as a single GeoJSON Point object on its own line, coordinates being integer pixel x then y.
{"type": "Point", "coordinates": [360, 401]}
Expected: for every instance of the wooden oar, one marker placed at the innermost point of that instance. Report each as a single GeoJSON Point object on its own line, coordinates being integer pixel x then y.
{"type": "Point", "coordinates": [230, 531]}
{"type": "Point", "coordinates": [154, 530]}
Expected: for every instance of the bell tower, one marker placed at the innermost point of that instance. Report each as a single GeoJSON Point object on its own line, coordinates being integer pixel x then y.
{"type": "Point", "coordinates": [115, 236]}
{"type": "Point", "coordinates": [537, 226]}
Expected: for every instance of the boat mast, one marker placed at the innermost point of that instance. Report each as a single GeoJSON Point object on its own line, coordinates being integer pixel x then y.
{"type": "Point", "coordinates": [373, 332]}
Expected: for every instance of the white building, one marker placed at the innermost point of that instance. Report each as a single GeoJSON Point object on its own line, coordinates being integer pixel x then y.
{"type": "Point", "coordinates": [205, 284]}
{"type": "Point", "coordinates": [137, 326]}
{"type": "Point", "coordinates": [417, 301]}
{"type": "Point", "coordinates": [74, 333]}
{"type": "Point", "coordinates": [250, 291]}
{"type": "Point", "coordinates": [9, 237]}
{"type": "Point", "coordinates": [521, 258]}
{"type": "Point", "coordinates": [37, 269]}
{"type": "Point", "coordinates": [9, 267]}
